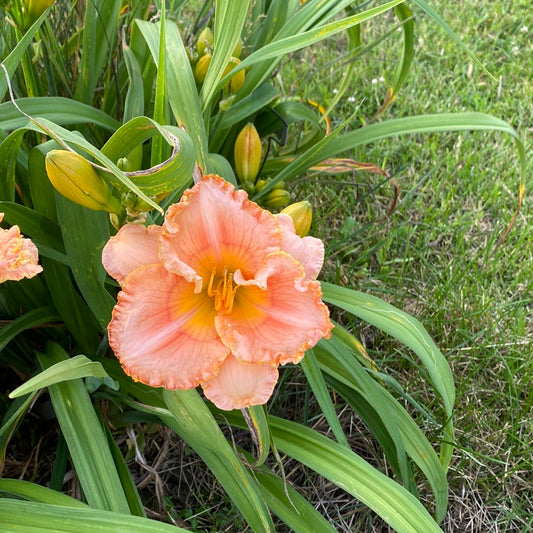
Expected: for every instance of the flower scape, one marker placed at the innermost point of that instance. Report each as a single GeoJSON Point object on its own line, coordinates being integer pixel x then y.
{"type": "Point", "coordinates": [18, 255]}
{"type": "Point", "coordinates": [220, 295]}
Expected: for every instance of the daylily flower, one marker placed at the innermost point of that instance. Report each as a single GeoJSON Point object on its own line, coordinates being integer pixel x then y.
{"type": "Point", "coordinates": [18, 255]}
{"type": "Point", "coordinates": [219, 296]}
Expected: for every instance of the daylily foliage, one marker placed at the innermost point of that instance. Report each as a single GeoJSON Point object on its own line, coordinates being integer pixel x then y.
{"type": "Point", "coordinates": [220, 295]}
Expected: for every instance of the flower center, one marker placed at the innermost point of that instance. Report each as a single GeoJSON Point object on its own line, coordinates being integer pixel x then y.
{"type": "Point", "coordinates": [222, 290]}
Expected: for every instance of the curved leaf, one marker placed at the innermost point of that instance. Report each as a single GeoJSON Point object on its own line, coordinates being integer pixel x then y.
{"type": "Point", "coordinates": [36, 517]}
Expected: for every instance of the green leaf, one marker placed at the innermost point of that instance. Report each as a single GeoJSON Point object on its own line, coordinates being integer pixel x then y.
{"type": "Point", "coordinates": [316, 380]}
{"type": "Point", "coordinates": [230, 16]}
{"type": "Point", "coordinates": [32, 224]}
{"type": "Point", "coordinates": [398, 507]}
{"type": "Point", "coordinates": [62, 111]}
{"type": "Point", "coordinates": [193, 422]}
{"type": "Point", "coordinates": [443, 24]}
{"type": "Point", "coordinates": [218, 164]}
{"type": "Point", "coordinates": [170, 174]}
{"type": "Point", "coordinates": [134, 101]}
{"type": "Point", "coordinates": [100, 28]}
{"type": "Point", "coordinates": [85, 233]}
{"type": "Point", "coordinates": [37, 493]}
{"type": "Point", "coordinates": [291, 506]}
{"type": "Point", "coordinates": [401, 326]}
{"type": "Point", "coordinates": [180, 85]}
{"type": "Point", "coordinates": [34, 517]}
{"type": "Point", "coordinates": [337, 143]}
{"type": "Point", "coordinates": [79, 366]}
{"type": "Point", "coordinates": [410, 332]}
{"type": "Point", "coordinates": [85, 438]}
{"type": "Point", "coordinates": [12, 61]}
{"type": "Point", "coordinates": [297, 41]}
{"type": "Point", "coordinates": [390, 423]}
{"type": "Point", "coordinates": [31, 319]}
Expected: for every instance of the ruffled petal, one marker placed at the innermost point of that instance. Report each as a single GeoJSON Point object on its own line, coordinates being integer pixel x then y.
{"type": "Point", "coordinates": [216, 225]}
{"type": "Point", "coordinates": [276, 318]}
{"type": "Point", "coordinates": [133, 246]}
{"type": "Point", "coordinates": [162, 332]}
{"type": "Point", "coordinates": [18, 255]}
{"type": "Point", "coordinates": [308, 251]}
{"type": "Point", "coordinates": [240, 385]}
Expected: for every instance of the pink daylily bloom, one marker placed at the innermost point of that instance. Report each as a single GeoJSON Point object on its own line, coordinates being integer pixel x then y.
{"type": "Point", "coordinates": [219, 296]}
{"type": "Point", "coordinates": [18, 255]}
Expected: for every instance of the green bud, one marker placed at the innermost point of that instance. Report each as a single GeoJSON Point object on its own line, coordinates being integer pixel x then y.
{"type": "Point", "coordinates": [277, 198]}
{"type": "Point", "coordinates": [205, 41]}
{"type": "Point", "coordinates": [76, 179]}
{"type": "Point", "coordinates": [247, 154]}
{"type": "Point", "coordinates": [302, 216]}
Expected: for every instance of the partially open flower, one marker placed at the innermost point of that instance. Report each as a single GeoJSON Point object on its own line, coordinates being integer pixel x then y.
{"type": "Point", "coordinates": [18, 255]}
{"type": "Point", "coordinates": [220, 295]}
{"type": "Point", "coordinates": [74, 177]}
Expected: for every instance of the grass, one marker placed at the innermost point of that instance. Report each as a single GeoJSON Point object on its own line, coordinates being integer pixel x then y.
{"type": "Point", "coordinates": [438, 255]}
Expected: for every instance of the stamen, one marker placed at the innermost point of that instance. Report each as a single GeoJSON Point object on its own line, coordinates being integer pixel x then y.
{"type": "Point", "coordinates": [210, 291]}
{"type": "Point", "coordinates": [222, 290]}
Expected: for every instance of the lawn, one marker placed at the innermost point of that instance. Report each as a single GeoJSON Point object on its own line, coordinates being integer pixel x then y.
{"type": "Point", "coordinates": [444, 254]}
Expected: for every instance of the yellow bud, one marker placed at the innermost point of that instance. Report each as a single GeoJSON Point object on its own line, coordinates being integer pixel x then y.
{"type": "Point", "coordinates": [75, 178]}
{"type": "Point", "coordinates": [277, 198]}
{"type": "Point", "coordinates": [237, 81]}
{"type": "Point", "coordinates": [200, 70]}
{"type": "Point", "coordinates": [302, 215]}
{"type": "Point", "coordinates": [35, 8]}
{"type": "Point", "coordinates": [205, 41]}
{"type": "Point", "coordinates": [247, 153]}
{"type": "Point", "coordinates": [238, 49]}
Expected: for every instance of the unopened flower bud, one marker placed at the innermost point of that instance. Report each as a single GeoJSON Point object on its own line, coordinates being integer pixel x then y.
{"type": "Point", "coordinates": [75, 178]}
{"type": "Point", "coordinates": [200, 70]}
{"type": "Point", "coordinates": [237, 81]}
{"type": "Point", "coordinates": [238, 49]}
{"type": "Point", "coordinates": [302, 215]}
{"type": "Point", "coordinates": [35, 8]}
{"type": "Point", "coordinates": [247, 154]}
{"type": "Point", "coordinates": [277, 198]}
{"type": "Point", "coordinates": [205, 41]}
